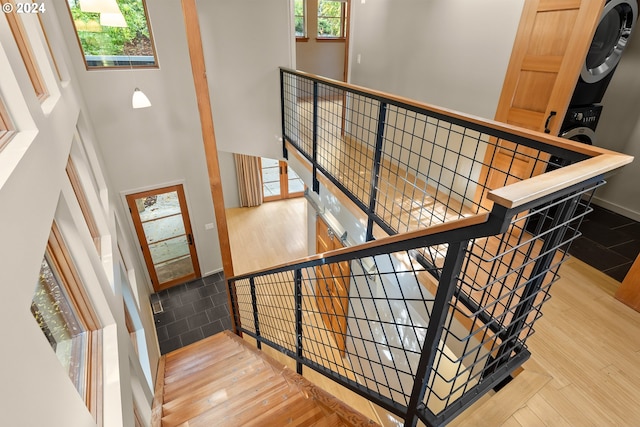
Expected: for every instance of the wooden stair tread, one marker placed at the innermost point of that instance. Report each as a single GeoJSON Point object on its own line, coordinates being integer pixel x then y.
{"type": "Point", "coordinates": [211, 374]}
{"type": "Point", "coordinates": [223, 381]}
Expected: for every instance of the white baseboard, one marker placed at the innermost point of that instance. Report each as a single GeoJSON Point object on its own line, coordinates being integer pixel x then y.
{"type": "Point", "coordinates": [617, 208]}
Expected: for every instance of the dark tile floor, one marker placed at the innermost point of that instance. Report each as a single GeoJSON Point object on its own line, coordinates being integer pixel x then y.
{"type": "Point", "coordinates": [610, 242]}
{"type": "Point", "coordinates": [191, 311]}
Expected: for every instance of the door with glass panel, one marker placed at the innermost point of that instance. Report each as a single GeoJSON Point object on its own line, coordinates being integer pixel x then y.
{"type": "Point", "coordinates": [279, 181]}
{"type": "Point", "coordinates": [162, 223]}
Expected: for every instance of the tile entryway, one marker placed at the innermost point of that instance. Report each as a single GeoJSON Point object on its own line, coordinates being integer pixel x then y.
{"type": "Point", "coordinates": [191, 311]}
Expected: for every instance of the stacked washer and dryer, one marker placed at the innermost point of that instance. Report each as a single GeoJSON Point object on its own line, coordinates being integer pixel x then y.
{"type": "Point", "coordinates": [611, 37]}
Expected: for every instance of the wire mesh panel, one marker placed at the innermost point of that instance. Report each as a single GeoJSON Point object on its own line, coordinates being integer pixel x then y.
{"type": "Point", "coordinates": [367, 320]}
{"type": "Point", "coordinates": [407, 167]}
{"type": "Point", "coordinates": [422, 324]}
{"type": "Point", "coordinates": [503, 283]}
{"type": "Point", "coordinates": [298, 113]}
{"type": "Point", "coordinates": [370, 335]}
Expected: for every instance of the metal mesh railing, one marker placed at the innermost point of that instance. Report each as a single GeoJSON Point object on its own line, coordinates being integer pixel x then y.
{"type": "Point", "coordinates": [377, 321]}
{"type": "Point", "coordinates": [425, 322]}
{"type": "Point", "coordinates": [406, 166]}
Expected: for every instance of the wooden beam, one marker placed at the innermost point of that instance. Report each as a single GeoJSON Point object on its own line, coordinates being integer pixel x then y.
{"type": "Point", "coordinates": [196, 53]}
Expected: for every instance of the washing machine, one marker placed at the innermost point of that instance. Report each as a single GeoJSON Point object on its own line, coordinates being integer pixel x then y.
{"type": "Point", "coordinates": [579, 125]}
{"type": "Point", "coordinates": [616, 24]}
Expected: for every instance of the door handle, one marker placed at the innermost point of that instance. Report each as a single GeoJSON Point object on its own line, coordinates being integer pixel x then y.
{"type": "Point", "coordinates": [546, 124]}
{"type": "Point", "coordinates": [190, 239]}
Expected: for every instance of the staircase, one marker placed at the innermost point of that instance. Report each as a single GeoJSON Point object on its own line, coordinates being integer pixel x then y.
{"type": "Point", "coordinates": [223, 381]}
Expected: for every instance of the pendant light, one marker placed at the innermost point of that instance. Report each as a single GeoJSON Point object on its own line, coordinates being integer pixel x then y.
{"type": "Point", "coordinates": [139, 99]}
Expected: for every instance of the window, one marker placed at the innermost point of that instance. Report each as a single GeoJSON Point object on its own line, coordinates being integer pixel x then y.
{"type": "Point", "coordinates": [113, 33]}
{"type": "Point", "coordinates": [300, 9]}
{"type": "Point", "coordinates": [63, 311]}
{"type": "Point", "coordinates": [279, 181]}
{"type": "Point", "coordinates": [46, 39]}
{"type": "Point", "coordinates": [6, 128]}
{"type": "Point", "coordinates": [331, 19]}
{"type": "Point", "coordinates": [74, 178]}
{"type": "Point", "coordinates": [20, 36]}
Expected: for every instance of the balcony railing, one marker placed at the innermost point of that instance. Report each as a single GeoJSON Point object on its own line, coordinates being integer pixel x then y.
{"type": "Point", "coordinates": [468, 222]}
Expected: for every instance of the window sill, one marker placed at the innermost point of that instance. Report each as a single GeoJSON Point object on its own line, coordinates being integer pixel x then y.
{"type": "Point", "coordinates": [330, 39]}
{"type": "Point", "coordinates": [302, 39]}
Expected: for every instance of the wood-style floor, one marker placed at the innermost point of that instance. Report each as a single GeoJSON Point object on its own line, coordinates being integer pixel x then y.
{"type": "Point", "coordinates": [585, 364]}
{"type": "Point", "coordinates": [223, 381]}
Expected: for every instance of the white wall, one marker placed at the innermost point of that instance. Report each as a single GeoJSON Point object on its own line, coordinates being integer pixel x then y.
{"type": "Point", "coordinates": [242, 67]}
{"type": "Point", "coordinates": [451, 53]}
{"type": "Point", "coordinates": [229, 180]}
{"type": "Point", "coordinates": [34, 190]}
{"type": "Point", "coordinates": [619, 130]}
{"type": "Point", "coordinates": [157, 146]}
{"type": "Point", "coordinates": [324, 58]}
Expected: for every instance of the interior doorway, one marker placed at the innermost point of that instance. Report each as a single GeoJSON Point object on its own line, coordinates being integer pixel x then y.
{"type": "Point", "coordinates": [161, 220]}
{"type": "Point", "coordinates": [279, 181]}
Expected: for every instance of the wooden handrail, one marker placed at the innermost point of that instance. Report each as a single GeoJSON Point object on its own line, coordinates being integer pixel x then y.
{"type": "Point", "coordinates": [476, 219]}
{"type": "Point", "coordinates": [522, 192]}
{"type": "Point", "coordinates": [602, 160]}
{"type": "Point", "coordinates": [543, 138]}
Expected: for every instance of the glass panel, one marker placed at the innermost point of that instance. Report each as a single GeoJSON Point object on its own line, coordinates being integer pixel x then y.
{"type": "Point", "coordinates": [163, 228]}
{"type": "Point", "coordinates": [330, 19]}
{"type": "Point", "coordinates": [270, 177]}
{"type": "Point", "coordinates": [59, 323]}
{"type": "Point", "coordinates": [159, 206]}
{"type": "Point", "coordinates": [299, 15]}
{"type": "Point", "coordinates": [174, 269]}
{"type": "Point", "coordinates": [112, 37]}
{"type": "Point", "coordinates": [164, 232]}
{"type": "Point", "coordinates": [295, 183]}
{"type": "Point", "coordinates": [169, 249]}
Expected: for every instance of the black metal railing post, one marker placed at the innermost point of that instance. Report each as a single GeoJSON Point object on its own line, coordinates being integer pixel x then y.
{"type": "Point", "coordinates": [234, 311]}
{"type": "Point", "coordinates": [254, 303]}
{"type": "Point", "coordinates": [316, 183]}
{"type": "Point", "coordinates": [298, 297]}
{"type": "Point", "coordinates": [446, 287]}
{"type": "Point", "coordinates": [373, 192]}
{"type": "Point", "coordinates": [285, 153]}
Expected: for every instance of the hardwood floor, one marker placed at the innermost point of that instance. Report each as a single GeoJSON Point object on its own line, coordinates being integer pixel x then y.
{"type": "Point", "coordinates": [585, 364]}
{"type": "Point", "coordinates": [267, 235]}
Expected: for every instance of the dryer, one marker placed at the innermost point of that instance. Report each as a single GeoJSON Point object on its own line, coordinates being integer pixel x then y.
{"type": "Point", "coordinates": [611, 37]}
{"type": "Point", "coordinates": [580, 123]}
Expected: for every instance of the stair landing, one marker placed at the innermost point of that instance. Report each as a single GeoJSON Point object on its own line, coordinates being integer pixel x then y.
{"type": "Point", "coordinates": [224, 381]}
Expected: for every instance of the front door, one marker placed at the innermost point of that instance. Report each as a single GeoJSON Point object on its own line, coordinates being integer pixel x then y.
{"type": "Point", "coordinates": [162, 224]}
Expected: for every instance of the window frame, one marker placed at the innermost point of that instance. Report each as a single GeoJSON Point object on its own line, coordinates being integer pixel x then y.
{"type": "Point", "coordinates": [156, 64]}
{"type": "Point", "coordinates": [28, 57]}
{"type": "Point", "coordinates": [305, 35]}
{"type": "Point", "coordinates": [343, 23]}
{"type": "Point", "coordinates": [7, 131]}
{"type": "Point", "coordinates": [78, 189]}
{"type": "Point", "coordinates": [90, 350]}
{"type": "Point", "coordinates": [48, 43]}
